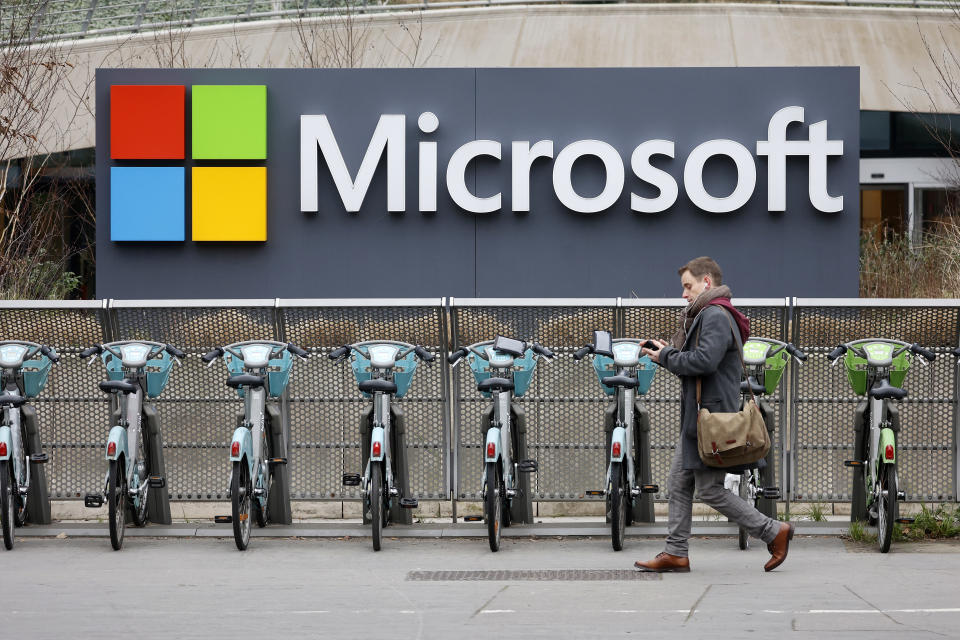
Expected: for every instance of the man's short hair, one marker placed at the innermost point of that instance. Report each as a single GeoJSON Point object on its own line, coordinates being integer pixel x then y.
{"type": "Point", "coordinates": [704, 266]}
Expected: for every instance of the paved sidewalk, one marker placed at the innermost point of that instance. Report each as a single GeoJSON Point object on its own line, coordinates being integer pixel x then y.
{"type": "Point", "coordinates": [328, 588]}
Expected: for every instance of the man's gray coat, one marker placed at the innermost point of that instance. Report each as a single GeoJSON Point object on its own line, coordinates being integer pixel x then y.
{"type": "Point", "coordinates": [715, 358]}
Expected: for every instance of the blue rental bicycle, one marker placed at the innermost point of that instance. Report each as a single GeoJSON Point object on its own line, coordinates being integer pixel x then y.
{"type": "Point", "coordinates": [624, 375]}
{"type": "Point", "coordinates": [135, 368]}
{"type": "Point", "coordinates": [503, 369]}
{"type": "Point", "coordinates": [258, 368]}
{"type": "Point", "coordinates": [24, 367]}
{"type": "Point", "coordinates": [384, 370]}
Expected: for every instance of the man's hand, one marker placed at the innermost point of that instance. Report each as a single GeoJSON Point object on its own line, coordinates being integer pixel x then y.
{"type": "Point", "coordinates": [654, 353]}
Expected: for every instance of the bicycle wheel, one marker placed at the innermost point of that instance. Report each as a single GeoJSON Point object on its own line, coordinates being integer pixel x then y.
{"type": "Point", "coordinates": [240, 499]}
{"type": "Point", "coordinates": [138, 508]}
{"type": "Point", "coordinates": [376, 504]}
{"type": "Point", "coordinates": [745, 478]}
{"type": "Point", "coordinates": [493, 505]}
{"type": "Point", "coordinates": [260, 508]}
{"type": "Point", "coordinates": [618, 504]}
{"type": "Point", "coordinates": [886, 506]}
{"type": "Point", "coordinates": [6, 503]}
{"type": "Point", "coordinates": [117, 503]}
{"type": "Point", "coordinates": [19, 501]}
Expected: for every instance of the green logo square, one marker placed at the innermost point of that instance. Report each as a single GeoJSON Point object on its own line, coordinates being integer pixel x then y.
{"type": "Point", "coordinates": [229, 122]}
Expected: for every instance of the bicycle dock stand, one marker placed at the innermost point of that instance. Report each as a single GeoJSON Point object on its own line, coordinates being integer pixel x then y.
{"type": "Point", "coordinates": [767, 504]}
{"type": "Point", "coordinates": [278, 430]}
{"type": "Point", "coordinates": [521, 509]}
{"type": "Point", "coordinates": [38, 500]}
{"type": "Point", "coordinates": [401, 510]}
{"type": "Point", "coordinates": [158, 500]}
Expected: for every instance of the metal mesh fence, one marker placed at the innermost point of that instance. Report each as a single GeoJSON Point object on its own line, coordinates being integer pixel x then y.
{"type": "Point", "coordinates": [72, 412]}
{"type": "Point", "coordinates": [198, 412]}
{"type": "Point", "coordinates": [563, 407]}
{"type": "Point", "coordinates": [824, 403]}
{"type": "Point", "coordinates": [325, 404]}
{"type": "Point", "coordinates": [658, 320]}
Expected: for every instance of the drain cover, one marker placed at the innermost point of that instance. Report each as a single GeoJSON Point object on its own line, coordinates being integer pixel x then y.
{"type": "Point", "coordinates": [534, 574]}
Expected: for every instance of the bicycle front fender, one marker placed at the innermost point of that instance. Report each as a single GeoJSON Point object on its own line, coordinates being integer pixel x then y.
{"type": "Point", "coordinates": [6, 437]}
{"type": "Point", "coordinates": [377, 436]}
{"type": "Point", "coordinates": [245, 439]}
{"type": "Point", "coordinates": [118, 438]}
{"type": "Point", "coordinates": [887, 437]}
{"type": "Point", "coordinates": [618, 437]}
{"type": "Point", "coordinates": [493, 438]}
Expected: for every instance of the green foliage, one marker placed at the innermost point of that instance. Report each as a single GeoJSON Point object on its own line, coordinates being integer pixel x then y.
{"type": "Point", "coordinates": [858, 532]}
{"type": "Point", "coordinates": [37, 278]}
{"type": "Point", "coordinates": [815, 512]}
{"type": "Point", "coordinates": [942, 522]}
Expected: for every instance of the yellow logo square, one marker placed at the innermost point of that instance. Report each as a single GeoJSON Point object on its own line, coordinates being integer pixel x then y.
{"type": "Point", "coordinates": [230, 204]}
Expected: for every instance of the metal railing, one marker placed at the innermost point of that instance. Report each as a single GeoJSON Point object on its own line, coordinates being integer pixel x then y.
{"type": "Point", "coordinates": [49, 20]}
{"type": "Point", "coordinates": [564, 406]}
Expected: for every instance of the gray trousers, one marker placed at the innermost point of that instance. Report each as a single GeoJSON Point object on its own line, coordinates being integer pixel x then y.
{"type": "Point", "coordinates": [709, 482]}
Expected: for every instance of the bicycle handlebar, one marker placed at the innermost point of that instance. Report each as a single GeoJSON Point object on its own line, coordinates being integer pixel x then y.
{"type": "Point", "coordinates": [796, 353]}
{"type": "Point", "coordinates": [582, 351]}
{"type": "Point", "coordinates": [419, 350]}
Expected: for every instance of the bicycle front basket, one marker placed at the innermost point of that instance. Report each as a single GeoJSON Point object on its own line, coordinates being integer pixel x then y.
{"type": "Point", "coordinates": [35, 374]}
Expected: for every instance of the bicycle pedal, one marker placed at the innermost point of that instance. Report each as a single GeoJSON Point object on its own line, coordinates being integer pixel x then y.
{"type": "Point", "coordinates": [93, 500]}
{"type": "Point", "coordinates": [511, 493]}
{"type": "Point", "coordinates": [853, 463]}
{"type": "Point", "coordinates": [905, 520]}
{"type": "Point", "coordinates": [278, 461]}
{"type": "Point", "coordinates": [351, 479]}
{"type": "Point", "coordinates": [473, 518]}
{"type": "Point", "coordinates": [223, 519]}
{"type": "Point", "coordinates": [901, 495]}
{"type": "Point", "coordinates": [650, 488]}
{"type": "Point", "coordinates": [157, 482]}
{"type": "Point", "coordinates": [770, 493]}
{"type": "Point", "coordinates": [39, 458]}
{"type": "Point", "coordinates": [635, 491]}
{"type": "Point", "coordinates": [258, 491]}
{"type": "Point", "coordinates": [596, 493]}
{"type": "Point", "coordinates": [527, 466]}
{"type": "Point", "coordinates": [409, 503]}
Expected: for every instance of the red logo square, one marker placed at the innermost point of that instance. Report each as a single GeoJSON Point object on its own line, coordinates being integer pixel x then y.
{"type": "Point", "coordinates": [146, 122]}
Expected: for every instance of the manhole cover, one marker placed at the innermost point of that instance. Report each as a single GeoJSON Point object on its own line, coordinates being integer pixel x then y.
{"type": "Point", "coordinates": [534, 574]}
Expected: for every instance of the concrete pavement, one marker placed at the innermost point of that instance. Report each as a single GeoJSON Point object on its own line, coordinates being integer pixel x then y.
{"type": "Point", "coordinates": [339, 588]}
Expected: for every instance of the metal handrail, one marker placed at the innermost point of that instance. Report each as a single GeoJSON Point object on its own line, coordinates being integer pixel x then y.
{"type": "Point", "coordinates": [150, 13]}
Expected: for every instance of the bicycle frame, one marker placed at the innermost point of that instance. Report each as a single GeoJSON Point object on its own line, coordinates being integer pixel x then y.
{"type": "Point", "coordinates": [248, 441]}
{"type": "Point", "coordinates": [124, 438]}
{"type": "Point", "coordinates": [380, 438]}
{"type": "Point", "coordinates": [498, 445]}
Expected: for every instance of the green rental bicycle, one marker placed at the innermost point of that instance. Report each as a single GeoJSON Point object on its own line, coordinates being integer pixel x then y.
{"type": "Point", "coordinates": [876, 368]}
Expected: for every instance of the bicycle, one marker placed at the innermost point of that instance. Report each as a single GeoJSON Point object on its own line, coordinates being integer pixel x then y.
{"type": "Point", "coordinates": [765, 360]}
{"type": "Point", "coordinates": [622, 372]}
{"type": "Point", "coordinates": [876, 367]}
{"type": "Point", "coordinates": [134, 368]}
{"type": "Point", "coordinates": [384, 370]}
{"type": "Point", "coordinates": [257, 368]}
{"type": "Point", "coordinates": [24, 367]}
{"type": "Point", "coordinates": [503, 369]}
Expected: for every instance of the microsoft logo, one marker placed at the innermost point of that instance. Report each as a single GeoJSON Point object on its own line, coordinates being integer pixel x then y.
{"type": "Point", "coordinates": [148, 201]}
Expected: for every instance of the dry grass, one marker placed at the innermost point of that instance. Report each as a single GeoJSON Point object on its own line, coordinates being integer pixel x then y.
{"type": "Point", "coordinates": [891, 268]}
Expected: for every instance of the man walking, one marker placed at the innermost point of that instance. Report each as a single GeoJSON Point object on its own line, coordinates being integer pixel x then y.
{"type": "Point", "coordinates": [707, 346]}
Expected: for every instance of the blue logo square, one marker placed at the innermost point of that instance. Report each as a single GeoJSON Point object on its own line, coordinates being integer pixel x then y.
{"type": "Point", "coordinates": [147, 204]}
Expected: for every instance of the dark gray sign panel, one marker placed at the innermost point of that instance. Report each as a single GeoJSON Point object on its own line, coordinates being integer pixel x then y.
{"type": "Point", "coordinates": [607, 181]}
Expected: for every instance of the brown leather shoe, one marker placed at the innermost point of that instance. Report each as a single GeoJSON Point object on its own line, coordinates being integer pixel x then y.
{"type": "Point", "coordinates": [779, 547]}
{"type": "Point", "coordinates": [663, 563]}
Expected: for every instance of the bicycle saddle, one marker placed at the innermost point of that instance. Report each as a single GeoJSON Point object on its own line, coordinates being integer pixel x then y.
{"type": "Point", "coordinates": [883, 390]}
{"type": "Point", "coordinates": [111, 386]}
{"type": "Point", "coordinates": [755, 386]}
{"type": "Point", "coordinates": [11, 399]}
{"type": "Point", "coordinates": [495, 384]}
{"type": "Point", "coordinates": [245, 380]}
{"type": "Point", "coordinates": [627, 382]}
{"type": "Point", "coordinates": [378, 384]}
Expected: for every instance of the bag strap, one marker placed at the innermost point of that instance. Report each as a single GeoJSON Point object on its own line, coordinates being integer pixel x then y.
{"type": "Point", "coordinates": [743, 365]}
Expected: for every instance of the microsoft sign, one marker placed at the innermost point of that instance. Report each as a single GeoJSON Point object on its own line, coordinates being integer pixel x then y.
{"type": "Point", "coordinates": [474, 182]}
